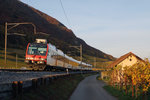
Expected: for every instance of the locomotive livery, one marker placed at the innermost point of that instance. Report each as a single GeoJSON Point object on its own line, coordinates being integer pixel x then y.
{"type": "Point", "coordinates": [45, 56]}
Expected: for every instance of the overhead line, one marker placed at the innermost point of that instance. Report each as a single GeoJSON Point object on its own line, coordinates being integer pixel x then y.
{"type": "Point", "coordinates": [65, 14]}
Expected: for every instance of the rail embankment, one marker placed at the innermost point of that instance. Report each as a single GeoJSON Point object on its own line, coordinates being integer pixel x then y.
{"type": "Point", "coordinates": [54, 87]}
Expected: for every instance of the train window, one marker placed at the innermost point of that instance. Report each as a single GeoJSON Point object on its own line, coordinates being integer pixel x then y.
{"type": "Point", "coordinates": [42, 51]}
{"type": "Point", "coordinates": [35, 49]}
{"type": "Point", "coordinates": [32, 50]}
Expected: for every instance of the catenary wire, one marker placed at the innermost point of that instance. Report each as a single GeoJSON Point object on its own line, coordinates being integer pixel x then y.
{"type": "Point", "coordinates": [65, 14]}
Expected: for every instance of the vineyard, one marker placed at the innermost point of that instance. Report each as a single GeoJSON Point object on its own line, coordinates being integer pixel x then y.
{"type": "Point", "coordinates": [133, 79]}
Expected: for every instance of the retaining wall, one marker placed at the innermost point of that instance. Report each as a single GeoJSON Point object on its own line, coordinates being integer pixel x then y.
{"type": "Point", "coordinates": [12, 90]}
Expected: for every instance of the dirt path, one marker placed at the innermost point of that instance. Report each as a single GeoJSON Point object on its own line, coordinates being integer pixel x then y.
{"type": "Point", "coordinates": [91, 89]}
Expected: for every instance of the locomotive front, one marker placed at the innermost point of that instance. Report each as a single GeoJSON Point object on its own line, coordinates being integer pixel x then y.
{"type": "Point", "coordinates": [36, 53]}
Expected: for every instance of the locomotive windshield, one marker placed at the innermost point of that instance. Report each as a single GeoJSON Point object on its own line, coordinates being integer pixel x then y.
{"type": "Point", "coordinates": [37, 49]}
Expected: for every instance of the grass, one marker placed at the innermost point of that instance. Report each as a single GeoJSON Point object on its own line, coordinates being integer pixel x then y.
{"type": "Point", "coordinates": [11, 64]}
{"type": "Point", "coordinates": [60, 89]}
{"type": "Point", "coordinates": [118, 93]}
{"type": "Point", "coordinates": [114, 91]}
{"type": "Point", "coordinates": [11, 58]}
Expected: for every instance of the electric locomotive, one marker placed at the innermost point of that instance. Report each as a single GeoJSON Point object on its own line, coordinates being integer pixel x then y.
{"type": "Point", "coordinates": [41, 56]}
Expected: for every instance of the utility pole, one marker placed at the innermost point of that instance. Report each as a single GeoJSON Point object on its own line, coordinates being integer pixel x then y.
{"type": "Point", "coordinates": [16, 60]}
{"type": "Point", "coordinates": [14, 25]}
{"type": "Point", "coordinates": [94, 61]}
{"type": "Point", "coordinates": [80, 49]}
{"type": "Point", "coordinates": [81, 53]}
{"type": "Point", "coordinates": [5, 41]}
{"type": "Point", "coordinates": [23, 23]}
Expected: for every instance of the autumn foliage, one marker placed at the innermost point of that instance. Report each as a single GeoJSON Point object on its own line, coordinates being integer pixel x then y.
{"type": "Point", "coordinates": [135, 78]}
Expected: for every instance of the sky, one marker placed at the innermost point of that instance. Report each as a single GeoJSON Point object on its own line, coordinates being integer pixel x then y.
{"type": "Point", "coordinates": [115, 27]}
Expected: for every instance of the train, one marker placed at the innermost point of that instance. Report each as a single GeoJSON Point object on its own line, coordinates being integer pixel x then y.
{"type": "Point", "coordinates": [41, 55]}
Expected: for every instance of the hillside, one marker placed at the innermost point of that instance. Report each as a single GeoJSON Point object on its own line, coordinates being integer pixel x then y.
{"type": "Point", "coordinates": [59, 35]}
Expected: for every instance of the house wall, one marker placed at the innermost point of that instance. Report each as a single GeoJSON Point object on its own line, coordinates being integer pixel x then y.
{"type": "Point", "coordinates": [129, 61]}
{"type": "Point", "coordinates": [104, 74]}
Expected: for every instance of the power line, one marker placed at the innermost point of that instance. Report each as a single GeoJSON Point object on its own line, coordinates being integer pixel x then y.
{"type": "Point", "coordinates": [65, 14]}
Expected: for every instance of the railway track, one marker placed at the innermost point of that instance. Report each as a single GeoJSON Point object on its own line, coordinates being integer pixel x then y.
{"type": "Point", "coordinates": [23, 70]}
{"type": "Point", "coordinates": [12, 81]}
{"type": "Point", "coordinates": [31, 70]}
{"type": "Point", "coordinates": [10, 75]}
{"type": "Point", "coordinates": [17, 75]}
{"type": "Point", "coordinates": [16, 70]}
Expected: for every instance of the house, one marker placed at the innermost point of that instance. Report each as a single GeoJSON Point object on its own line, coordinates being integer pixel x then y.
{"type": "Point", "coordinates": [128, 59]}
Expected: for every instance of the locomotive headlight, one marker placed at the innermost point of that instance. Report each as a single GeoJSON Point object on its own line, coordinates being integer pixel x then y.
{"type": "Point", "coordinates": [43, 59]}
{"type": "Point", "coordinates": [29, 58]}
{"type": "Point", "coordinates": [35, 58]}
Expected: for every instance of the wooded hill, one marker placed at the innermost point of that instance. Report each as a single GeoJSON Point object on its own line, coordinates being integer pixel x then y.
{"type": "Point", "coordinates": [58, 34]}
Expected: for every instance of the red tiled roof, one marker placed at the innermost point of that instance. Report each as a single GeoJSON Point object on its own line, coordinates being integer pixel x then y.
{"type": "Point", "coordinates": [117, 61]}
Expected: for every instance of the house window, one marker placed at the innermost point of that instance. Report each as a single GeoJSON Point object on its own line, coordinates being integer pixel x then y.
{"type": "Point", "coordinates": [130, 59]}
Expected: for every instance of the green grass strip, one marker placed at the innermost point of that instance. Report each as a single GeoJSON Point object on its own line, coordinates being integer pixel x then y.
{"type": "Point", "coordinates": [59, 89]}
{"type": "Point", "coordinates": [117, 93]}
